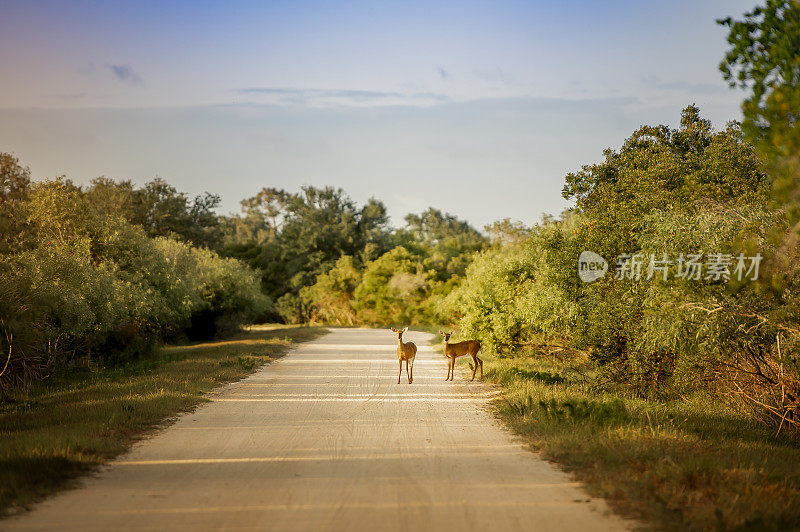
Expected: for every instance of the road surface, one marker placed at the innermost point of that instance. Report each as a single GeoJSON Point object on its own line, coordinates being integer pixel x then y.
{"type": "Point", "coordinates": [325, 439]}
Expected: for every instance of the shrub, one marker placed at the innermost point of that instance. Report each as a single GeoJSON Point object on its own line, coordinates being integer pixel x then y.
{"type": "Point", "coordinates": [78, 282]}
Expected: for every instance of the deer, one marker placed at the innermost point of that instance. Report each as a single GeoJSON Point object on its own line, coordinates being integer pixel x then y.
{"type": "Point", "coordinates": [405, 351]}
{"type": "Point", "coordinates": [455, 350]}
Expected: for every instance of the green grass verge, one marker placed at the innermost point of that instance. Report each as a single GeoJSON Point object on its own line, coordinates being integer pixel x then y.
{"type": "Point", "coordinates": [686, 464]}
{"type": "Point", "coordinates": [68, 424]}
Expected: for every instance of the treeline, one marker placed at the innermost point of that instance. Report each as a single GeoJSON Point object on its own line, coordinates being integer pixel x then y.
{"type": "Point", "coordinates": [667, 201]}
{"type": "Point", "coordinates": [325, 259]}
{"type": "Point", "coordinates": [320, 256]}
{"type": "Point", "coordinates": [102, 273]}
{"type": "Point", "coordinates": [107, 271]}
{"type": "Point", "coordinates": [701, 231]}
{"type": "Point", "coordinates": [702, 288]}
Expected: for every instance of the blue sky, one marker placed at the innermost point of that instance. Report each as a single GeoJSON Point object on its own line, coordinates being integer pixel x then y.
{"type": "Point", "coordinates": [477, 108]}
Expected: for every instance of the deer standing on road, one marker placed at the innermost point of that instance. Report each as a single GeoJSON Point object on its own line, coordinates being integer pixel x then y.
{"type": "Point", "coordinates": [455, 350]}
{"type": "Point", "coordinates": [405, 351]}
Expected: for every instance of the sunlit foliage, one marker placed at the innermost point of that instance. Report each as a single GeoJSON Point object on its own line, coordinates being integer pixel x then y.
{"type": "Point", "coordinates": [82, 282]}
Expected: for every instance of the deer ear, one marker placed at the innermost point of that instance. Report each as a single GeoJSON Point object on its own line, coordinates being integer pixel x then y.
{"type": "Point", "coordinates": [440, 332]}
{"type": "Point", "coordinates": [393, 329]}
{"type": "Point", "coordinates": [404, 330]}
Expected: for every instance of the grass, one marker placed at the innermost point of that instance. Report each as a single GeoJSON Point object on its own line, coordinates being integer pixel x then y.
{"type": "Point", "coordinates": [688, 464]}
{"type": "Point", "coordinates": [70, 423]}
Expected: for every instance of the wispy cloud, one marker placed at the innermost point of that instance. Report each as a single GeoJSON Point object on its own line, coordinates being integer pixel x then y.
{"type": "Point", "coordinates": [495, 75]}
{"type": "Point", "coordinates": [284, 95]}
{"type": "Point", "coordinates": [686, 87]}
{"type": "Point", "coordinates": [125, 74]}
{"type": "Point", "coordinates": [71, 95]}
{"type": "Point", "coordinates": [82, 98]}
{"type": "Point", "coordinates": [335, 93]}
{"type": "Point", "coordinates": [444, 74]}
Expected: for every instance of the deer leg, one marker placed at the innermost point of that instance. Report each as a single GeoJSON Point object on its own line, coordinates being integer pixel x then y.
{"type": "Point", "coordinates": [474, 366]}
{"type": "Point", "coordinates": [401, 372]}
{"type": "Point", "coordinates": [452, 367]}
{"type": "Point", "coordinates": [481, 363]}
{"type": "Point", "coordinates": [411, 377]}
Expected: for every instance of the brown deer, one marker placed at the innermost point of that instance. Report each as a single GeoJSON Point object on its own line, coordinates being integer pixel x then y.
{"type": "Point", "coordinates": [455, 350]}
{"type": "Point", "coordinates": [405, 351]}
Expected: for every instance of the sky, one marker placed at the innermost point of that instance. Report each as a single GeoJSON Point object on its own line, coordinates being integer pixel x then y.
{"type": "Point", "coordinates": [476, 108]}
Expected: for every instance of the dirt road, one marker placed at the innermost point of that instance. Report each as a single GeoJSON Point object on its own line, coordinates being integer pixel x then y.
{"type": "Point", "coordinates": [325, 439]}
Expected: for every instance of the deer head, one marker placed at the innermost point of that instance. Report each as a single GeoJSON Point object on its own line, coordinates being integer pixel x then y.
{"type": "Point", "coordinates": [399, 332]}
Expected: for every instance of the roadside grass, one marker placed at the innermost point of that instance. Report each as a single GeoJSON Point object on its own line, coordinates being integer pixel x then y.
{"type": "Point", "coordinates": [70, 423]}
{"type": "Point", "coordinates": [686, 464]}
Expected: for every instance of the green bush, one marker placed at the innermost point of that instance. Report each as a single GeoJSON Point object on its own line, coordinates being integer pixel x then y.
{"type": "Point", "coordinates": [521, 291]}
{"type": "Point", "coordinates": [332, 295]}
{"type": "Point", "coordinates": [81, 282]}
{"type": "Point", "coordinates": [688, 190]}
{"type": "Point", "coordinates": [224, 293]}
{"type": "Point", "coordinates": [392, 289]}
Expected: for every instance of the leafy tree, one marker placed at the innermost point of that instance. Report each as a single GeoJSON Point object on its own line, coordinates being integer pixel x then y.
{"type": "Point", "coordinates": [14, 185]}
{"type": "Point", "coordinates": [404, 283]}
{"type": "Point", "coordinates": [444, 240]}
{"type": "Point", "coordinates": [659, 168]}
{"type": "Point", "coordinates": [506, 231]}
{"type": "Point", "coordinates": [14, 178]}
{"type": "Point", "coordinates": [684, 190]}
{"type": "Point", "coordinates": [333, 293]}
{"type": "Point", "coordinates": [77, 280]}
{"type": "Point", "coordinates": [224, 293]}
{"type": "Point", "coordinates": [520, 291]}
{"type": "Point", "coordinates": [393, 290]}
{"type": "Point", "coordinates": [304, 235]}
{"type": "Point", "coordinates": [161, 210]}
{"type": "Point", "coordinates": [692, 172]}
{"type": "Point", "coordinates": [764, 60]}
{"type": "Point", "coordinates": [269, 208]}
{"type": "Point", "coordinates": [112, 197]}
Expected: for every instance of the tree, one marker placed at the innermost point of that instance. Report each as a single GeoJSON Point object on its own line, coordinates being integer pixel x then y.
{"type": "Point", "coordinates": [520, 291]}
{"type": "Point", "coordinates": [659, 169]}
{"type": "Point", "coordinates": [393, 290]}
{"type": "Point", "coordinates": [14, 178]}
{"type": "Point", "coordinates": [163, 211]}
{"type": "Point", "coordinates": [764, 58]}
{"type": "Point", "coordinates": [160, 209]}
{"type": "Point", "coordinates": [400, 285]}
{"type": "Point", "coordinates": [332, 295]}
{"type": "Point", "coordinates": [446, 242]}
{"type": "Point", "coordinates": [506, 231]}
{"type": "Point", "coordinates": [14, 186]}
{"type": "Point", "coordinates": [296, 237]}
{"type": "Point", "coordinates": [268, 207]}
{"type": "Point", "coordinates": [77, 279]}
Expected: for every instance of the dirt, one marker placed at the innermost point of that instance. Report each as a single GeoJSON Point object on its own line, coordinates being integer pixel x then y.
{"type": "Point", "coordinates": [325, 439]}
